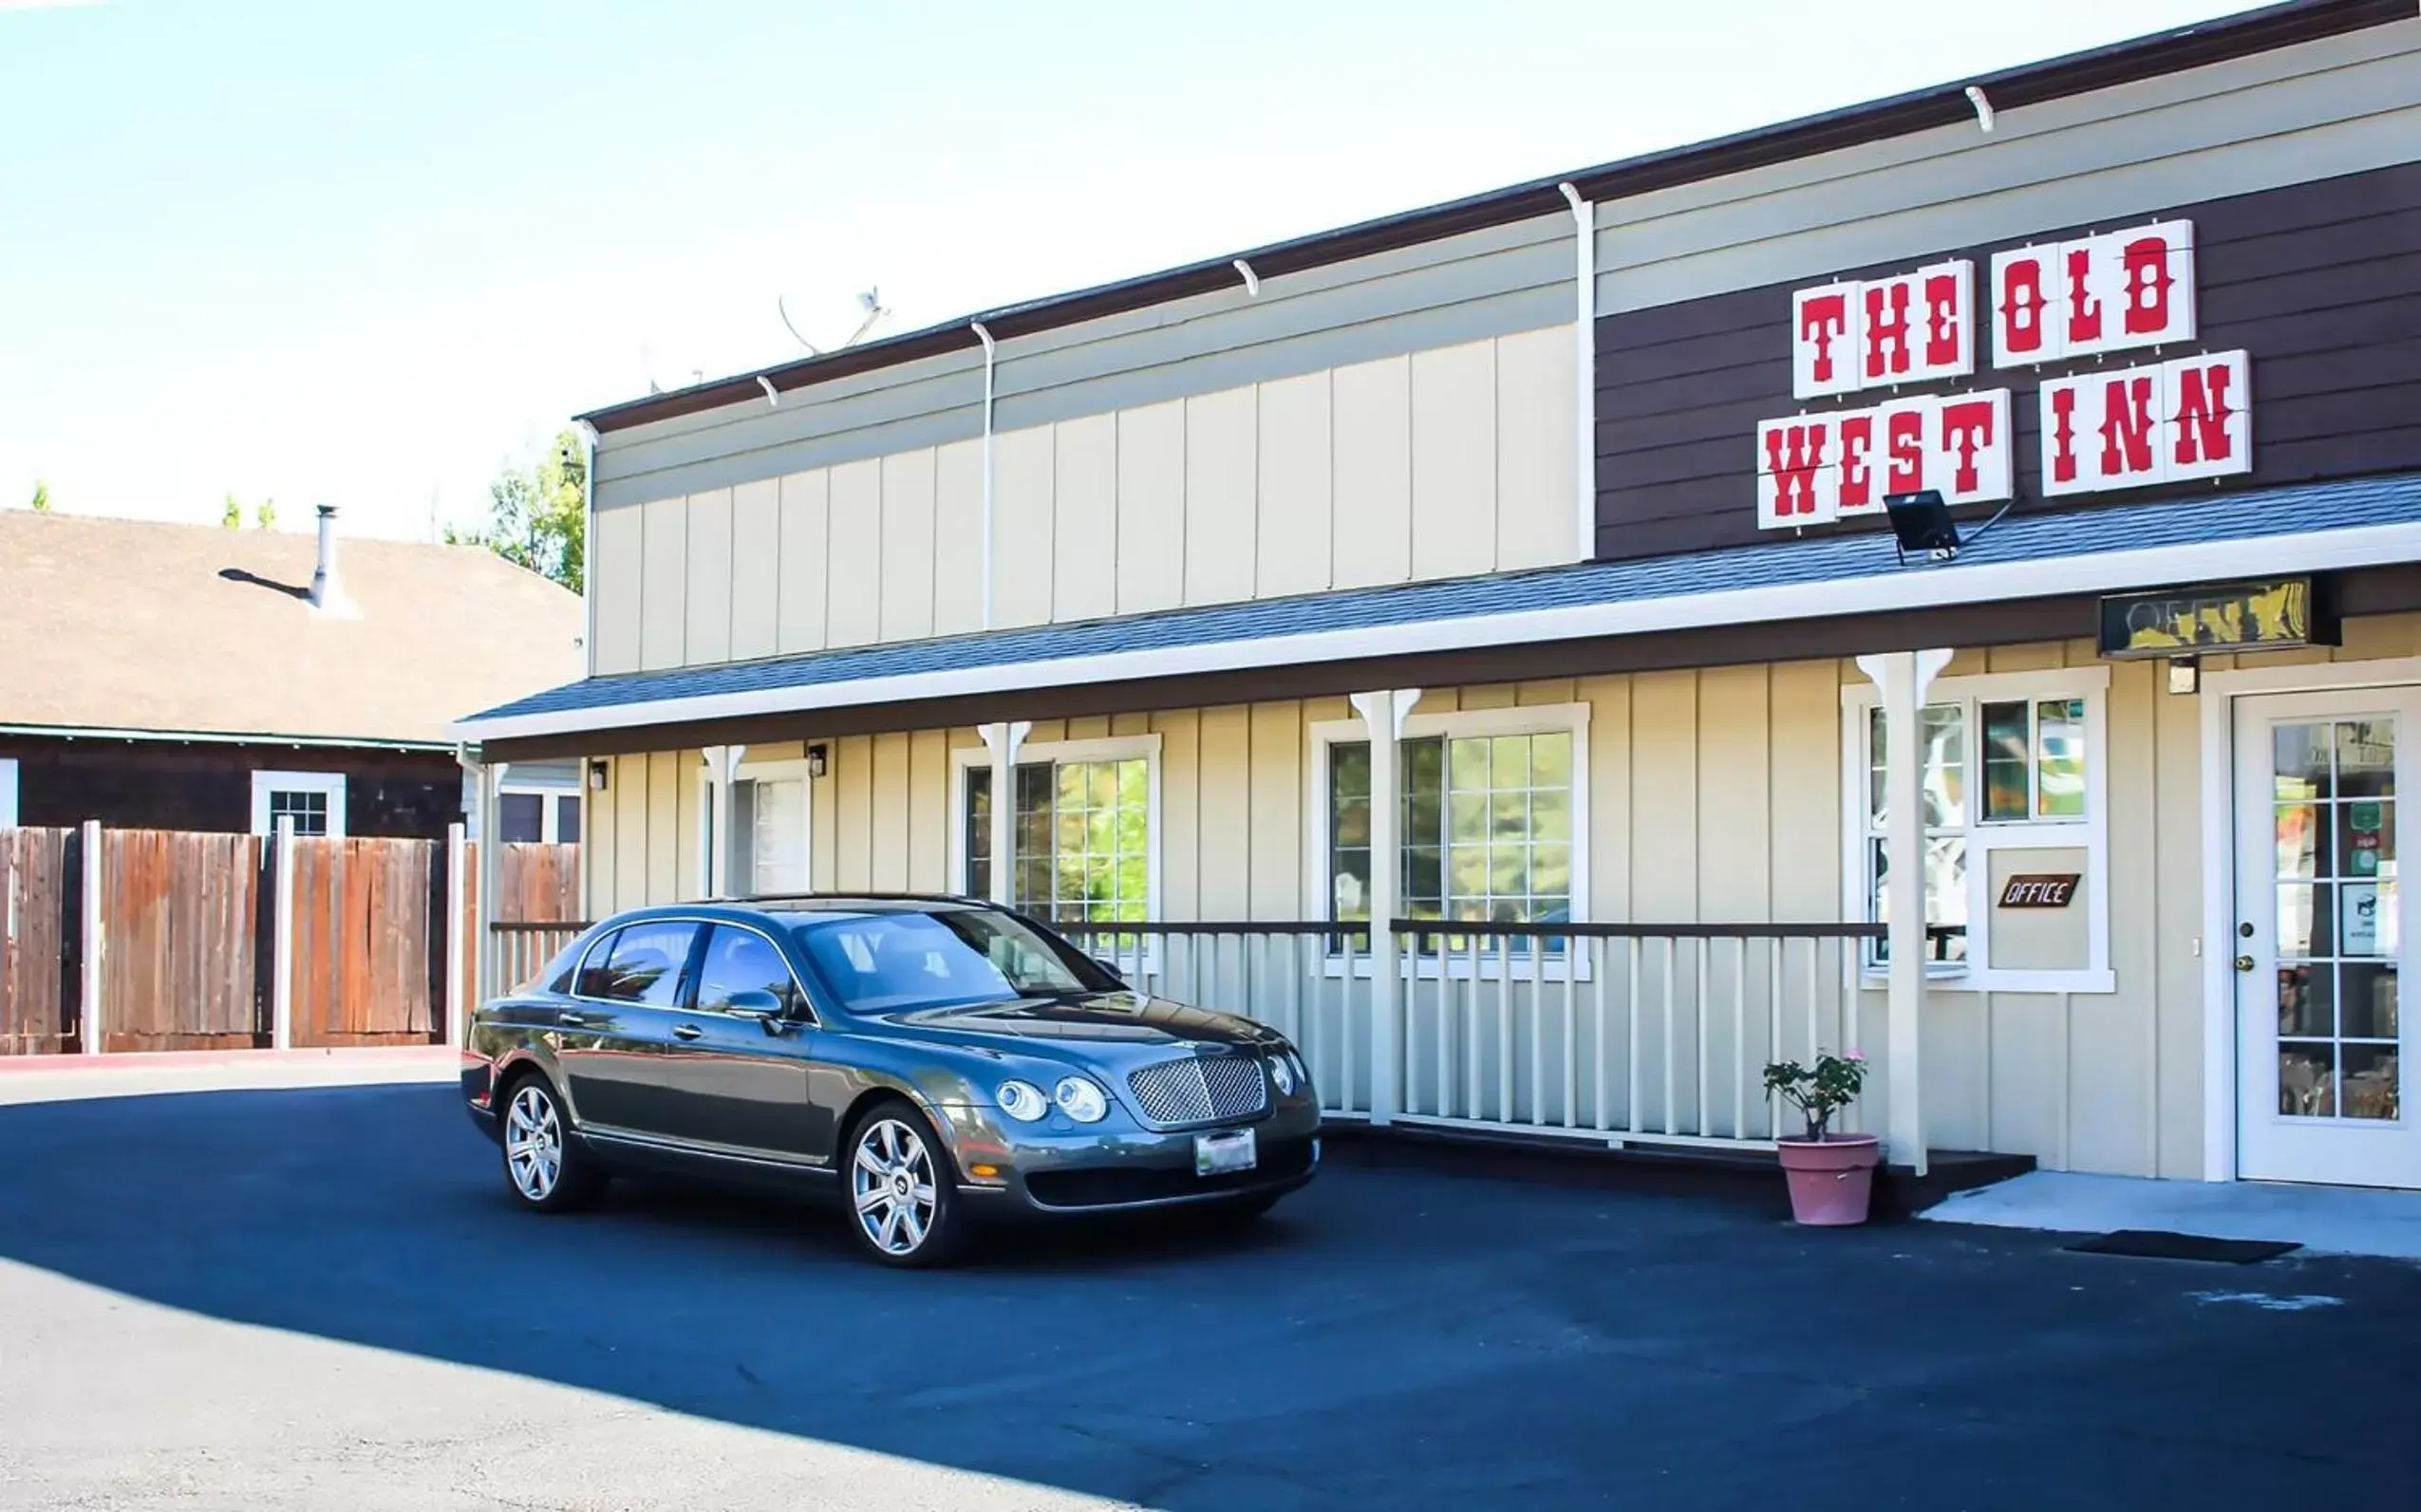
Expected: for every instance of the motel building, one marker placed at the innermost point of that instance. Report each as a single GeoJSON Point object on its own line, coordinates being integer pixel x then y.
{"type": "Point", "coordinates": [1477, 641]}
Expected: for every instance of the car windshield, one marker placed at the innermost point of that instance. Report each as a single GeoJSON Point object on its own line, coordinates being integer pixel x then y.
{"type": "Point", "coordinates": [883, 962]}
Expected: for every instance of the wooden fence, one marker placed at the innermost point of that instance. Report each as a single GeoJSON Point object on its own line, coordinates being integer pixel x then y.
{"type": "Point", "coordinates": [190, 936]}
{"type": "Point", "coordinates": [181, 916]}
{"type": "Point", "coordinates": [38, 895]}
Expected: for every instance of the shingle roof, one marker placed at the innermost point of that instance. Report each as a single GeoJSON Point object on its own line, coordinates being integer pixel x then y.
{"type": "Point", "coordinates": [132, 625]}
{"type": "Point", "coordinates": [2020, 538]}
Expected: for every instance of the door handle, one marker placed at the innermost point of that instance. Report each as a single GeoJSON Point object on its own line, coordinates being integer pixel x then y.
{"type": "Point", "coordinates": [686, 1032]}
{"type": "Point", "coordinates": [571, 1021]}
{"type": "Point", "coordinates": [2245, 963]}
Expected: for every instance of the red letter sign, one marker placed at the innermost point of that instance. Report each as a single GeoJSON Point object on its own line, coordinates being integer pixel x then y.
{"type": "Point", "coordinates": [1798, 481]}
{"type": "Point", "coordinates": [2095, 295]}
{"type": "Point", "coordinates": [1909, 328]}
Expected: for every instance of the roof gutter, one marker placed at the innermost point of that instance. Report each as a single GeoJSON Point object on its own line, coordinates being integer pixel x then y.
{"type": "Point", "coordinates": [93, 732]}
{"type": "Point", "coordinates": [1958, 584]}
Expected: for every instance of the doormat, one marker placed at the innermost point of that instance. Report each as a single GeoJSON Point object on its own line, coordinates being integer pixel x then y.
{"type": "Point", "coordinates": [2152, 1244]}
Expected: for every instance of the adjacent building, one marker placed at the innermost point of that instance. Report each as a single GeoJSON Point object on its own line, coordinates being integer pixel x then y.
{"type": "Point", "coordinates": [1524, 563]}
{"type": "Point", "coordinates": [177, 677]}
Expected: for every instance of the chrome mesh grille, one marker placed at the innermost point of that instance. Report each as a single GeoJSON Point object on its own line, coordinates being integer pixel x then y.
{"type": "Point", "coordinates": [1195, 1090]}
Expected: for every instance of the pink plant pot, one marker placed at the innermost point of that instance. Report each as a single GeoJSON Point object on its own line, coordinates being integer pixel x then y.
{"type": "Point", "coordinates": [1832, 1181]}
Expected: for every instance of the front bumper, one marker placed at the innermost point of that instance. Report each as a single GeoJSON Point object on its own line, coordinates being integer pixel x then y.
{"type": "Point", "coordinates": [1045, 1170]}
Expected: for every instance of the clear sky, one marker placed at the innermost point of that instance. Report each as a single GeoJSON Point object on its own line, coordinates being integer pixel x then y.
{"type": "Point", "coordinates": [364, 255]}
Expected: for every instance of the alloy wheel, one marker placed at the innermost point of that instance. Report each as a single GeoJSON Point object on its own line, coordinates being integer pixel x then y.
{"type": "Point", "coordinates": [892, 1182]}
{"type": "Point", "coordinates": [534, 1143]}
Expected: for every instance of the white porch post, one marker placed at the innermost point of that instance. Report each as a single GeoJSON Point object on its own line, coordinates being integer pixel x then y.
{"type": "Point", "coordinates": [1002, 740]}
{"type": "Point", "coordinates": [92, 1024]}
{"type": "Point", "coordinates": [484, 916]}
{"type": "Point", "coordinates": [722, 762]}
{"type": "Point", "coordinates": [281, 981]}
{"type": "Point", "coordinates": [457, 1013]}
{"type": "Point", "coordinates": [1902, 677]}
{"type": "Point", "coordinates": [1383, 715]}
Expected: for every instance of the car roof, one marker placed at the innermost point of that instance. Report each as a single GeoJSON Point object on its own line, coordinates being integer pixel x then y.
{"type": "Point", "coordinates": [819, 904]}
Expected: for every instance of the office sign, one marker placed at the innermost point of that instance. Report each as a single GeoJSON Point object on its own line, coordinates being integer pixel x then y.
{"type": "Point", "coordinates": [2039, 890]}
{"type": "Point", "coordinates": [2278, 615]}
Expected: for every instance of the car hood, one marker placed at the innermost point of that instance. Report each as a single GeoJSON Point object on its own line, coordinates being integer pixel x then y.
{"type": "Point", "coordinates": [1101, 1019]}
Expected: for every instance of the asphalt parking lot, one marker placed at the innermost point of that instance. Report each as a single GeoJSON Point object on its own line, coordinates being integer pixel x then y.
{"type": "Point", "coordinates": [318, 1299]}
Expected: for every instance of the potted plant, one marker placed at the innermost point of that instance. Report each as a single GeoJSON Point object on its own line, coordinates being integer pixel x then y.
{"type": "Point", "coordinates": [1831, 1175]}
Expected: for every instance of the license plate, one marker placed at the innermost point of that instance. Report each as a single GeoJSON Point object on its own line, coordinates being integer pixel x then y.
{"type": "Point", "coordinates": [1217, 1154]}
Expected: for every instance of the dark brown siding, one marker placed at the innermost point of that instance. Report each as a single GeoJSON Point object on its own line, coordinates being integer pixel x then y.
{"type": "Point", "coordinates": [163, 785]}
{"type": "Point", "coordinates": [2320, 282]}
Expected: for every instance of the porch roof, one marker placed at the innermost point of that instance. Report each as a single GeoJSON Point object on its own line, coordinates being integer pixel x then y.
{"type": "Point", "coordinates": [2315, 527]}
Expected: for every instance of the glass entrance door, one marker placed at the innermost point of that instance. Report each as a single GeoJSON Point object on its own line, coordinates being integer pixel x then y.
{"type": "Point", "coordinates": [2318, 947]}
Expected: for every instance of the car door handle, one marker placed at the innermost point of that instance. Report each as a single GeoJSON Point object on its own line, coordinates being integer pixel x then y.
{"type": "Point", "coordinates": [571, 1021]}
{"type": "Point", "coordinates": [686, 1032]}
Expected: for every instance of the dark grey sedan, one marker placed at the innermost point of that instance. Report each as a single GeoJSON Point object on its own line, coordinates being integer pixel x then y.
{"type": "Point", "coordinates": [927, 1061]}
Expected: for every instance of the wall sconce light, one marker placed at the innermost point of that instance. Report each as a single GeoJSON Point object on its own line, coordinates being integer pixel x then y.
{"type": "Point", "coordinates": [2184, 674]}
{"type": "Point", "coordinates": [598, 768]}
{"type": "Point", "coordinates": [819, 761]}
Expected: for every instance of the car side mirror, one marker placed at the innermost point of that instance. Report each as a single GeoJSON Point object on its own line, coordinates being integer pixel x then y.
{"type": "Point", "coordinates": [755, 1002]}
{"type": "Point", "coordinates": [1110, 966]}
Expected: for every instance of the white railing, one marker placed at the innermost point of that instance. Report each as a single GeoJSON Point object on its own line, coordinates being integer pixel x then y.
{"type": "Point", "coordinates": [521, 949]}
{"type": "Point", "coordinates": [1619, 1034]}
{"type": "Point", "coordinates": [1309, 982]}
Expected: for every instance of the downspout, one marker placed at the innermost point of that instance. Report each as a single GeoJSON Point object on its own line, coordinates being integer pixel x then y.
{"type": "Point", "coordinates": [1583, 374]}
{"type": "Point", "coordinates": [986, 337]}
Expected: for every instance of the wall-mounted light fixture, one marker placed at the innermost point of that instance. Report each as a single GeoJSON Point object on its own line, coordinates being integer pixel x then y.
{"type": "Point", "coordinates": [2184, 674]}
{"type": "Point", "coordinates": [597, 770]}
{"type": "Point", "coordinates": [819, 761]}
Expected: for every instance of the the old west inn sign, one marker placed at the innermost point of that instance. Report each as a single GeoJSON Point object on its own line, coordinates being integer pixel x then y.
{"type": "Point", "coordinates": [2115, 304]}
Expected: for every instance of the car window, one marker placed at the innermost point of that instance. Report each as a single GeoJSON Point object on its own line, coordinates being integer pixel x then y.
{"type": "Point", "coordinates": [877, 962]}
{"type": "Point", "coordinates": [645, 965]}
{"type": "Point", "coordinates": [743, 960]}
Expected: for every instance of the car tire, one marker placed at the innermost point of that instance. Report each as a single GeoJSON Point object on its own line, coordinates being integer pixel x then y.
{"type": "Point", "coordinates": [898, 1189]}
{"type": "Point", "coordinates": [545, 1168]}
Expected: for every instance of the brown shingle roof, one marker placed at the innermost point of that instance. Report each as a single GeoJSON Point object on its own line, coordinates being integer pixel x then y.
{"type": "Point", "coordinates": [130, 624]}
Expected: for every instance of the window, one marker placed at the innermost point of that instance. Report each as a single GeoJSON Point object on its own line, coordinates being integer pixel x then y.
{"type": "Point", "coordinates": [2010, 765]}
{"type": "Point", "coordinates": [876, 962]}
{"type": "Point", "coordinates": [314, 800]}
{"type": "Point", "coordinates": [643, 965]}
{"type": "Point", "coordinates": [1487, 827]}
{"type": "Point", "coordinates": [7, 792]}
{"type": "Point", "coordinates": [1493, 819]}
{"type": "Point", "coordinates": [535, 816]}
{"type": "Point", "coordinates": [744, 960]}
{"type": "Point", "coordinates": [1082, 830]}
{"type": "Point", "coordinates": [521, 817]}
{"type": "Point", "coordinates": [766, 853]}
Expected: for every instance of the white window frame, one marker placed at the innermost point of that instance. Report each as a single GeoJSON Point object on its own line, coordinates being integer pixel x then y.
{"type": "Point", "coordinates": [2090, 834]}
{"type": "Point", "coordinates": [7, 792]}
{"type": "Point", "coordinates": [1536, 718]}
{"type": "Point", "coordinates": [331, 783]}
{"type": "Point", "coordinates": [968, 759]}
{"type": "Point", "coordinates": [549, 817]}
{"type": "Point", "coordinates": [772, 768]}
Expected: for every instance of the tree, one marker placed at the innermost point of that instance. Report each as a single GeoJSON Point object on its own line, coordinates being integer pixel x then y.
{"type": "Point", "coordinates": [41, 496]}
{"type": "Point", "coordinates": [267, 515]}
{"type": "Point", "coordinates": [539, 519]}
{"type": "Point", "coordinates": [231, 517]}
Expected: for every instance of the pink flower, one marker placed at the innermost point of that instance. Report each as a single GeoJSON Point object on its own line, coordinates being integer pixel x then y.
{"type": "Point", "coordinates": [1858, 1055]}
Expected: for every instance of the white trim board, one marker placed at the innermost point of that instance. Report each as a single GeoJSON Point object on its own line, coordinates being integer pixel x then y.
{"type": "Point", "coordinates": [1911, 589]}
{"type": "Point", "coordinates": [7, 792]}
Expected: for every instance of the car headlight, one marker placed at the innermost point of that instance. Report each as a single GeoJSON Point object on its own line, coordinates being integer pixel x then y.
{"type": "Point", "coordinates": [1282, 1075]}
{"type": "Point", "coordinates": [1082, 1100]}
{"type": "Point", "coordinates": [1022, 1100]}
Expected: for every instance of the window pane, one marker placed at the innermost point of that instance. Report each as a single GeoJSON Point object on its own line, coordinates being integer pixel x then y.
{"type": "Point", "coordinates": [741, 961]}
{"type": "Point", "coordinates": [645, 964]}
{"type": "Point", "coordinates": [2007, 762]}
{"type": "Point", "coordinates": [1946, 897]}
{"type": "Point", "coordinates": [1875, 792]}
{"type": "Point", "coordinates": [567, 820]}
{"type": "Point", "coordinates": [1509, 762]}
{"type": "Point", "coordinates": [309, 810]}
{"type": "Point", "coordinates": [1550, 758]}
{"type": "Point", "coordinates": [2059, 763]}
{"type": "Point", "coordinates": [521, 817]}
{"type": "Point", "coordinates": [1084, 840]}
{"type": "Point", "coordinates": [1945, 765]}
{"type": "Point", "coordinates": [979, 831]}
{"type": "Point", "coordinates": [1467, 766]}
